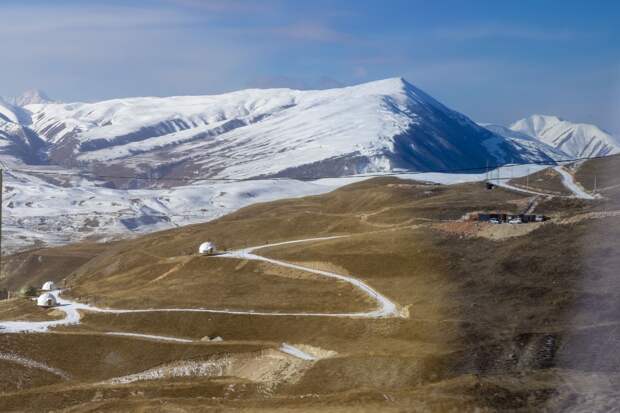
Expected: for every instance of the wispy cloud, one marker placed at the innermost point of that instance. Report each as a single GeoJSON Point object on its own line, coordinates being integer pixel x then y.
{"type": "Point", "coordinates": [227, 6]}
{"type": "Point", "coordinates": [21, 20]}
{"type": "Point", "coordinates": [308, 31]}
{"type": "Point", "coordinates": [101, 52]}
{"type": "Point", "coordinates": [509, 32]}
{"type": "Point", "coordinates": [268, 82]}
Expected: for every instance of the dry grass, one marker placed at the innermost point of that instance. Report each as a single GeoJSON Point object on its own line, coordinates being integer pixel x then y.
{"type": "Point", "coordinates": [25, 309]}
{"type": "Point", "coordinates": [494, 324]}
{"type": "Point", "coordinates": [605, 170]}
{"type": "Point", "coordinates": [33, 268]}
{"type": "Point", "coordinates": [217, 283]}
{"type": "Point", "coordinates": [547, 181]}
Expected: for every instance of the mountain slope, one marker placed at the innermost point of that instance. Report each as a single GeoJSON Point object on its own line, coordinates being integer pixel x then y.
{"type": "Point", "coordinates": [578, 140]}
{"type": "Point", "coordinates": [377, 126]}
{"type": "Point", "coordinates": [17, 142]}
{"type": "Point", "coordinates": [525, 141]}
{"type": "Point", "coordinates": [30, 97]}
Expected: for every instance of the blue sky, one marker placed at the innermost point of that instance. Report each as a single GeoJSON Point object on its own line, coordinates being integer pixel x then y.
{"type": "Point", "coordinates": [495, 61]}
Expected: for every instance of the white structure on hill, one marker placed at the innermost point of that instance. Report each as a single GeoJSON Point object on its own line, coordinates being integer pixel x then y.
{"type": "Point", "coordinates": [48, 286]}
{"type": "Point", "coordinates": [47, 300]}
{"type": "Point", "coordinates": [206, 248]}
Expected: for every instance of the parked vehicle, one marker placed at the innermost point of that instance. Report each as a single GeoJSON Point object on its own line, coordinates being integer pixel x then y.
{"type": "Point", "coordinates": [494, 221]}
{"type": "Point", "coordinates": [516, 220]}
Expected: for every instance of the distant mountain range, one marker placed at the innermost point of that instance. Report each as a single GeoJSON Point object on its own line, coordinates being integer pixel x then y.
{"type": "Point", "coordinates": [388, 125]}
{"type": "Point", "coordinates": [577, 140]}
{"type": "Point", "coordinates": [385, 125]}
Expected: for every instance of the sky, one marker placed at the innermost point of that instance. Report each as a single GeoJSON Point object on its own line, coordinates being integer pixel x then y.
{"type": "Point", "coordinates": [495, 61]}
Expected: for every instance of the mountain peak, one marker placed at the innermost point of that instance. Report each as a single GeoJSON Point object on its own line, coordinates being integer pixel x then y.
{"type": "Point", "coordinates": [535, 124]}
{"type": "Point", "coordinates": [580, 140]}
{"type": "Point", "coordinates": [31, 96]}
{"type": "Point", "coordinates": [390, 84]}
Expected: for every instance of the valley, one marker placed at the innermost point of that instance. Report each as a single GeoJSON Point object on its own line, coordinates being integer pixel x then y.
{"type": "Point", "coordinates": [483, 322]}
{"type": "Point", "coordinates": [293, 206]}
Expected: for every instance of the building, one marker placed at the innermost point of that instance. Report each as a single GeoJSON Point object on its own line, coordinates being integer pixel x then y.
{"type": "Point", "coordinates": [47, 300]}
{"type": "Point", "coordinates": [502, 218]}
{"type": "Point", "coordinates": [206, 248]}
{"type": "Point", "coordinates": [48, 286]}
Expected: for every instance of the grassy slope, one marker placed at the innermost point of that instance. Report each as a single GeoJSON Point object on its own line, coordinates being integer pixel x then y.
{"type": "Point", "coordinates": [547, 181]}
{"type": "Point", "coordinates": [493, 324]}
{"type": "Point", "coordinates": [606, 171]}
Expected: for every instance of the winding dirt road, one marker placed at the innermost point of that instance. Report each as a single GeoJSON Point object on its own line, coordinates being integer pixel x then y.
{"type": "Point", "coordinates": [386, 308]}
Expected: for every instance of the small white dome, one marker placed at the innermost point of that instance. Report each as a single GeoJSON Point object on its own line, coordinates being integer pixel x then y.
{"type": "Point", "coordinates": [206, 248]}
{"type": "Point", "coordinates": [48, 286]}
{"type": "Point", "coordinates": [46, 300]}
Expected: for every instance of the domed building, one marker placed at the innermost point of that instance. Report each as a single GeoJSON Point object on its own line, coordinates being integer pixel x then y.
{"type": "Point", "coordinates": [206, 248]}
{"type": "Point", "coordinates": [48, 286]}
{"type": "Point", "coordinates": [47, 300]}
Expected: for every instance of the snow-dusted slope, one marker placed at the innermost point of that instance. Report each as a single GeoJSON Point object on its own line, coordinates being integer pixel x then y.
{"type": "Point", "coordinates": [41, 212]}
{"type": "Point", "coordinates": [578, 140]}
{"type": "Point", "coordinates": [49, 210]}
{"type": "Point", "coordinates": [30, 97]}
{"type": "Point", "coordinates": [528, 143]}
{"type": "Point", "coordinates": [377, 126]}
{"type": "Point", "coordinates": [8, 112]}
{"type": "Point", "coordinates": [18, 144]}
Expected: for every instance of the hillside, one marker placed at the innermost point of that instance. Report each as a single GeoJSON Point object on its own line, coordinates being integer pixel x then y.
{"type": "Point", "coordinates": [492, 317]}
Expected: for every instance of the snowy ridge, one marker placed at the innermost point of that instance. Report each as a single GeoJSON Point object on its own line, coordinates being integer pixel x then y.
{"type": "Point", "coordinates": [577, 140]}
{"type": "Point", "coordinates": [376, 126]}
{"type": "Point", "coordinates": [382, 126]}
{"type": "Point", "coordinates": [7, 112]}
{"type": "Point", "coordinates": [29, 97]}
{"type": "Point", "coordinates": [526, 142]}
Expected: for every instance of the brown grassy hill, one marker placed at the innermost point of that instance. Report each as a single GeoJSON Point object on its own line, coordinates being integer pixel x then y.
{"type": "Point", "coordinates": [605, 172]}
{"type": "Point", "coordinates": [546, 181]}
{"type": "Point", "coordinates": [33, 268]}
{"type": "Point", "coordinates": [515, 323]}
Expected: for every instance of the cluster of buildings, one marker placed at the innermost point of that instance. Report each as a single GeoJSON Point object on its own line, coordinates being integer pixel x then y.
{"type": "Point", "coordinates": [47, 299]}
{"type": "Point", "coordinates": [501, 218]}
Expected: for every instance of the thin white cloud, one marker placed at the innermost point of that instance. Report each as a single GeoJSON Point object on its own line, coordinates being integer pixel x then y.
{"type": "Point", "coordinates": [308, 31]}
{"type": "Point", "coordinates": [227, 6]}
{"type": "Point", "coordinates": [291, 82]}
{"type": "Point", "coordinates": [82, 53]}
{"type": "Point", "coordinates": [502, 31]}
{"type": "Point", "coordinates": [24, 20]}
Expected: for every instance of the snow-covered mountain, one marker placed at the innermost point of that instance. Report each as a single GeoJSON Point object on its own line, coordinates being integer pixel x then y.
{"type": "Point", "coordinates": [527, 142]}
{"type": "Point", "coordinates": [378, 126]}
{"type": "Point", "coordinates": [578, 140]}
{"type": "Point", "coordinates": [29, 97]}
{"type": "Point", "coordinates": [388, 125]}
{"type": "Point", "coordinates": [18, 142]}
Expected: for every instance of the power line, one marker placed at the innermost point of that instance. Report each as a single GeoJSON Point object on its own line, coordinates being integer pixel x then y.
{"type": "Point", "coordinates": [305, 178]}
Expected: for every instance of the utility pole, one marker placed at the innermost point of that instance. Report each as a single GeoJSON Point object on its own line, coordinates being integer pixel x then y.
{"type": "Point", "coordinates": [487, 172]}
{"type": "Point", "coordinates": [527, 178]}
{"type": "Point", "coordinates": [595, 184]}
